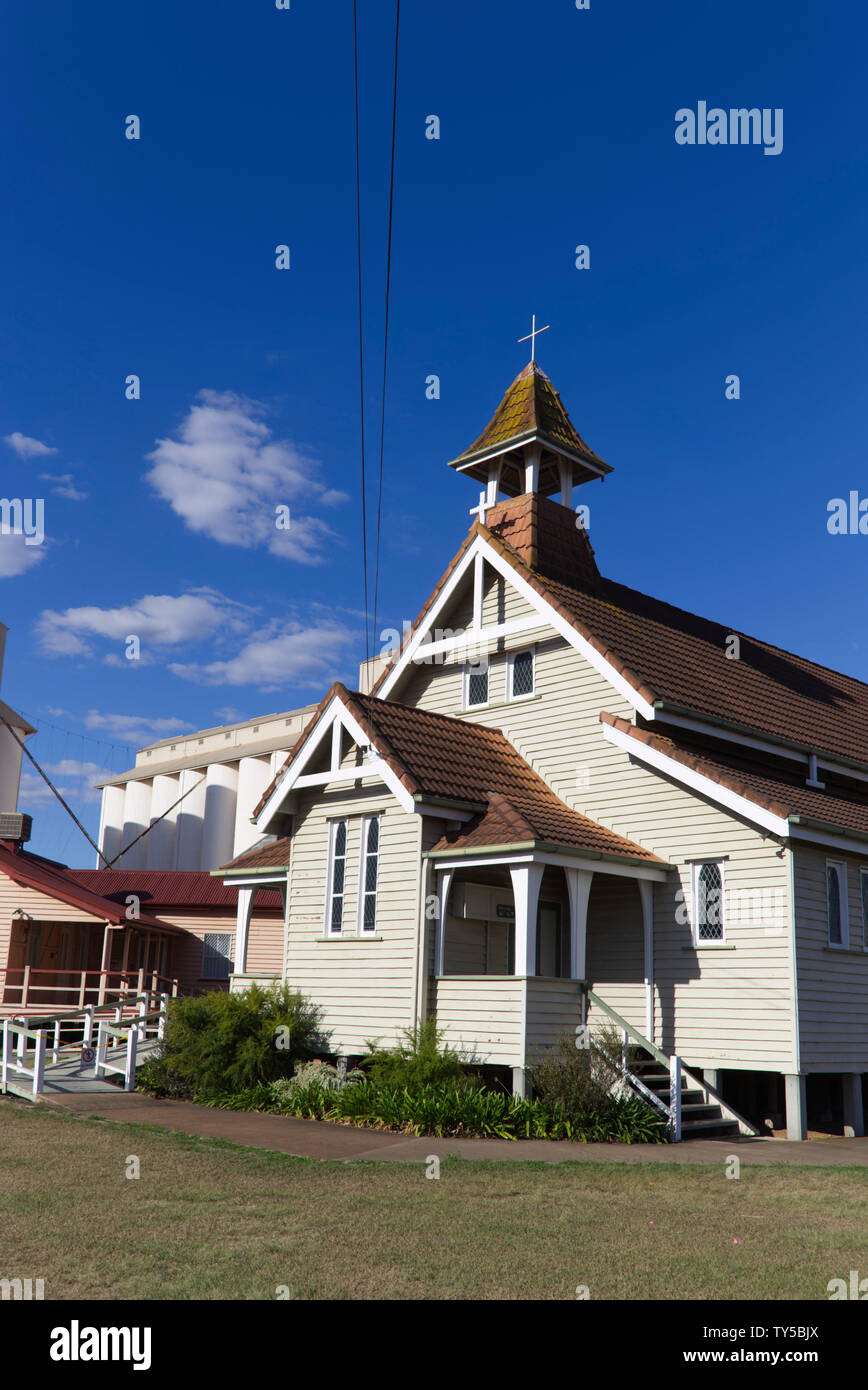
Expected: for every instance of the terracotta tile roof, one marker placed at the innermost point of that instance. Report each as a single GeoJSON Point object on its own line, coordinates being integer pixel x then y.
{"type": "Point", "coordinates": [273, 856]}
{"type": "Point", "coordinates": [547, 536]}
{"type": "Point", "coordinates": [780, 791]}
{"type": "Point", "coordinates": [539, 819]}
{"type": "Point", "coordinates": [438, 757]}
{"type": "Point", "coordinates": [59, 882]}
{"type": "Point", "coordinates": [164, 889]}
{"type": "Point", "coordinates": [675, 657]}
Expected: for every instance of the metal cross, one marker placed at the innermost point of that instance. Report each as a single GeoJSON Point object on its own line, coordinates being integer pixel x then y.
{"type": "Point", "coordinates": [533, 335]}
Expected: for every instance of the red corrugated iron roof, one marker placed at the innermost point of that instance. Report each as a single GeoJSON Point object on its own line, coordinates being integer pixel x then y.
{"type": "Point", "coordinates": [163, 889]}
{"type": "Point", "coordinates": [31, 871]}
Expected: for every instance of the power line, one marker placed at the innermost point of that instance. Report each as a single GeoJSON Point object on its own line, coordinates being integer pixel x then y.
{"type": "Point", "coordinates": [361, 341]}
{"type": "Point", "coordinates": [47, 780]}
{"type": "Point", "coordinates": [386, 326]}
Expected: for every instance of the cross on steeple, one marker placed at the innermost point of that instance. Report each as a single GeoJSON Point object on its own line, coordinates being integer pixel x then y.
{"type": "Point", "coordinates": [533, 335]}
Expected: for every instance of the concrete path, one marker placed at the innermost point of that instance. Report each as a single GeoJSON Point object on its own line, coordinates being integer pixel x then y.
{"type": "Point", "coordinates": [315, 1139]}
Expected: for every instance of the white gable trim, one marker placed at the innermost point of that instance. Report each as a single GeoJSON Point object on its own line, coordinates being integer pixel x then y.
{"type": "Point", "coordinates": [698, 782]}
{"type": "Point", "coordinates": [542, 606]}
{"type": "Point", "coordinates": [334, 717]}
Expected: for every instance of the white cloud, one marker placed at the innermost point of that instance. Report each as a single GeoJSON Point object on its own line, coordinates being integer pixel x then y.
{"type": "Point", "coordinates": [134, 728]}
{"type": "Point", "coordinates": [224, 475]}
{"type": "Point", "coordinates": [64, 486]}
{"type": "Point", "coordinates": [295, 655]}
{"type": "Point", "coordinates": [158, 620]}
{"type": "Point", "coordinates": [16, 557]}
{"type": "Point", "coordinates": [25, 447]}
{"type": "Point", "coordinates": [73, 779]}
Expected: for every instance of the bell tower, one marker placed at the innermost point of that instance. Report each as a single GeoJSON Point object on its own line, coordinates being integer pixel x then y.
{"type": "Point", "coordinates": [530, 445]}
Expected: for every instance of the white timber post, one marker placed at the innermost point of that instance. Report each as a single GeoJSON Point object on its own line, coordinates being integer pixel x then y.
{"type": "Point", "coordinates": [478, 590]}
{"type": "Point", "coordinates": [854, 1118]}
{"type": "Point", "coordinates": [88, 1025]}
{"type": "Point", "coordinates": [130, 1069]}
{"type": "Point", "coordinates": [105, 960]}
{"type": "Point", "coordinates": [531, 470]}
{"type": "Point", "coordinates": [99, 1064]}
{"type": "Point", "coordinates": [164, 1011]}
{"type": "Point", "coordinates": [646, 893]}
{"type": "Point", "coordinates": [39, 1064]}
{"type": "Point", "coordinates": [444, 882]}
{"type": "Point", "coordinates": [7, 1024]}
{"type": "Point", "coordinates": [675, 1099]}
{"type": "Point", "coordinates": [526, 880]}
{"type": "Point", "coordinates": [242, 928]}
{"type": "Point", "coordinates": [565, 469]}
{"type": "Point", "coordinates": [797, 1110]}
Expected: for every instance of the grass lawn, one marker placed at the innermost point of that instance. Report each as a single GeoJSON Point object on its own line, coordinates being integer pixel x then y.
{"type": "Point", "coordinates": [211, 1220]}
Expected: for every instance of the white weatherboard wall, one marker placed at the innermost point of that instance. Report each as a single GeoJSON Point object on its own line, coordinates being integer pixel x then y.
{"type": "Point", "coordinates": [833, 983]}
{"type": "Point", "coordinates": [365, 986]}
{"type": "Point", "coordinates": [718, 1008]}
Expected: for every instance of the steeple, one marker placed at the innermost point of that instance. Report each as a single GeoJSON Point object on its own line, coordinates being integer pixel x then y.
{"type": "Point", "coordinates": [530, 445]}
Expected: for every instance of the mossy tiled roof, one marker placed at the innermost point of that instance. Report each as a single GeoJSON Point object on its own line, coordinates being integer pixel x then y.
{"type": "Point", "coordinates": [531, 408]}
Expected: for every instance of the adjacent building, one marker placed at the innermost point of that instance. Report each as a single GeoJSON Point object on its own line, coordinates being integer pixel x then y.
{"type": "Point", "coordinates": [194, 794]}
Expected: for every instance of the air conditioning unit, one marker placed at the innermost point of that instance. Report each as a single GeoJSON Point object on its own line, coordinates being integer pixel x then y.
{"type": "Point", "coordinates": [481, 902]}
{"type": "Point", "coordinates": [15, 825]}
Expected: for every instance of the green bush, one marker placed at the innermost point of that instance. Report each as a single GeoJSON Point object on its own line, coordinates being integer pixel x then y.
{"type": "Point", "coordinates": [578, 1079]}
{"type": "Point", "coordinates": [220, 1043]}
{"type": "Point", "coordinates": [420, 1060]}
{"type": "Point", "coordinates": [454, 1109]}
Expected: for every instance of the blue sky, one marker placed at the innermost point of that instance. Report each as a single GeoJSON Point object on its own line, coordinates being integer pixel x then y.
{"type": "Point", "coordinates": [156, 258]}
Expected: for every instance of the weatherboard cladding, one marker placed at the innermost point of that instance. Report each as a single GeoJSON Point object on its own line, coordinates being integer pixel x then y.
{"type": "Point", "coordinates": [779, 791]}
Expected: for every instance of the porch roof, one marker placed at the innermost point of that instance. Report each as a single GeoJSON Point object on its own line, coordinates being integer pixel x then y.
{"type": "Point", "coordinates": [538, 820]}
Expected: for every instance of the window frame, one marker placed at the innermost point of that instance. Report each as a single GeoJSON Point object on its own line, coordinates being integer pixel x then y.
{"type": "Point", "coordinates": [510, 665]}
{"type": "Point", "coordinates": [840, 866]}
{"type": "Point", "coordinates": [473, 669]}
{"type": "Point", "coordinates": [367, 822]}
{"type": "Point", "coordinates": [696, 867]}
{"type": "Point", "coordinates": [328, 928]}
{"type": "Point", "coordinates": [228, 955]}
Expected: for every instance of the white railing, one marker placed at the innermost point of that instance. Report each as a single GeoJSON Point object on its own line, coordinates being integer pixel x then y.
{"type": "Point", "coordinates": [31, 989]}
{"type": "Point", "coordinates": [132, 1032]}
{"type": "Point", "coordinates": [14, 1059]}
{"type": "Point", "coordinates": [672, 1110]}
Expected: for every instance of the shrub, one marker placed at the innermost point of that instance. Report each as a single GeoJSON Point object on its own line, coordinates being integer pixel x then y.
{"type": "Point", "coordinates": [579, 1079]}
{"type": "Point", "coordinates": [453, 1109]}
{"type": "Point", "coordinates": [315, 1074]}
{"type": "Point", "coordinates": [221, 1042]}
{"type": "Point", "coordinates": [420, 1060]}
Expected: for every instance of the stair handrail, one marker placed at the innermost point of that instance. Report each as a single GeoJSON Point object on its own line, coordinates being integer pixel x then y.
{"type": "Point", "coordinates": [699, 1083]}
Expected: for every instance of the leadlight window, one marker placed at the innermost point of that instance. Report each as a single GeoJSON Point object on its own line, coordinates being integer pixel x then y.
{"type": "Point", "coordinates": [522, 674]}
{"type": "Point", "coordinates": [836, 902]}
{"type": "Point", "coordinates": [477, 687]}
{"type": "Point", "coordinates": [370, 869]}
{"type": "Point", "coordinates": [337, 877]}
{"type": "Point", "coordinates": [708, 900]}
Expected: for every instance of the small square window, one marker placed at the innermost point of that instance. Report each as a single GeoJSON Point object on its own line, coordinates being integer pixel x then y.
{"type": "Point", "coordinates": [522, 674]}
{"type": "Point", "coordinates": [216, 956]}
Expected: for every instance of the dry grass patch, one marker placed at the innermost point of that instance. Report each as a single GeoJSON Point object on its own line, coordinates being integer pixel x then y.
{"type": "Point", "coordinates": [211, 1220]}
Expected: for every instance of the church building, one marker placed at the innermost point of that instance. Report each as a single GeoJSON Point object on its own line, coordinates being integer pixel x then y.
{"type": "Point", "coordinates": [564, 804]}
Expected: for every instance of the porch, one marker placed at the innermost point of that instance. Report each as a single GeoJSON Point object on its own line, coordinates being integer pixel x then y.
{"type": "Point", "coordinates": [517, 941]}
{"type": "Point", "coordinates": [58, 965]}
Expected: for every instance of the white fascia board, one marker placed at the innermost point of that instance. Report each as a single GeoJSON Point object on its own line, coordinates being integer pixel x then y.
{"type": "Point", "coordinates": [547, 613]}
{"type": "Point", "coordinates": [763, 745]}
{"type": "Point", "coordinates": [258, 882]}
{"type": "Point", "coordinates": [416, 639]}
{"type": "Point", "coordinates": [569, 633]}
{"type": "Point", "coordinates": [653, 872]}
{"type": "Point", "coordinates": [811, 836]}
{"type": "Point", "coordinates": [698, 782]}
{"type": "Point", "coordinates": [336, 712]}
